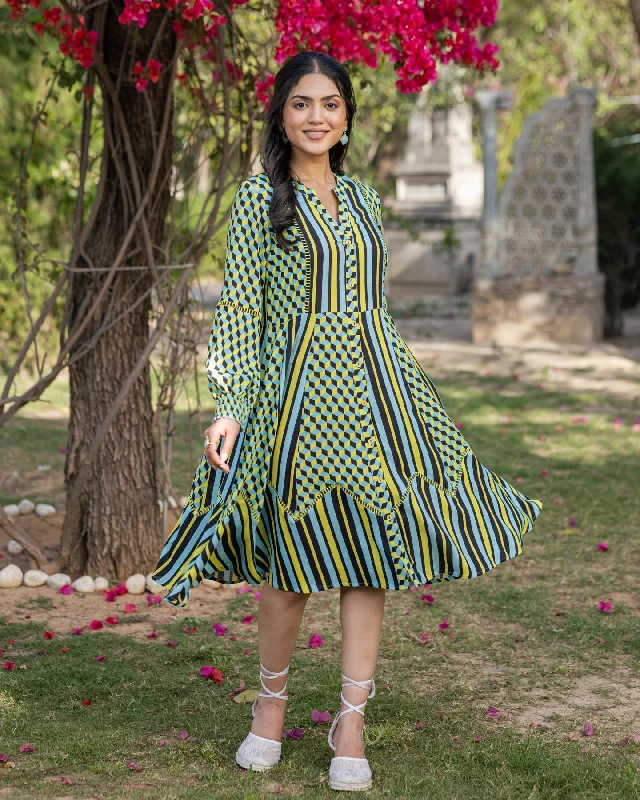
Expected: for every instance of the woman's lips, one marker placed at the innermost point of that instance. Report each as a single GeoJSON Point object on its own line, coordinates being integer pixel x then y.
{"type": "Point", "coordinates": [315, 134]}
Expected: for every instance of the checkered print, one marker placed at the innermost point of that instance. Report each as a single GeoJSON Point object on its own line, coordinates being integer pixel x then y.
{"type": "Point", "coordinates": [337, 443]}
{"type": "Point", "coordinates": [347, 470]}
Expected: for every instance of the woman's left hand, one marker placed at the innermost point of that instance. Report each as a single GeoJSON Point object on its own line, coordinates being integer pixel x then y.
{"type": "Point", "coordinates": [223, 427]}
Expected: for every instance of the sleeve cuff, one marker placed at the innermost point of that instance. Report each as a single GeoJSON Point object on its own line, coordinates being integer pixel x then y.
{"type": "Point", "coordinates": [234, 408]}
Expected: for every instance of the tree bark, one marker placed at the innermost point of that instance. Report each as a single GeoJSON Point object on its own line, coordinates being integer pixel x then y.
{"type": "Point", "coordinates": [115, 530]}
{"type": "Point", "coordinates": [634, 5]}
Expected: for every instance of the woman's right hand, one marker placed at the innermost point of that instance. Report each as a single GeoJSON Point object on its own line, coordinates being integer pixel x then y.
{"type": "Point", "coordinates": [223, 427]}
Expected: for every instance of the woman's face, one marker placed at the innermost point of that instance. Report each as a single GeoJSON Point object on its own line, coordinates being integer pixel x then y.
{"type": "Point", "coordinates": [314, 104]}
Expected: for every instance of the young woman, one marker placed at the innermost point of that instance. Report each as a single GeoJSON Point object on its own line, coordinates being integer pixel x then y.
{"type": "Point", "coordinates": [331, 461]}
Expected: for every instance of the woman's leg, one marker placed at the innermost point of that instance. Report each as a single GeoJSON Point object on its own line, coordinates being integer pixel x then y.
{"type": "Point", "coordinates": [279, 617]}
{"type": "Point", "coordinates": [361, 613]}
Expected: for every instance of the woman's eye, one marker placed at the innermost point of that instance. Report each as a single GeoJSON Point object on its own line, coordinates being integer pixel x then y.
{"type": "Point", "coordinates": [301, 103]}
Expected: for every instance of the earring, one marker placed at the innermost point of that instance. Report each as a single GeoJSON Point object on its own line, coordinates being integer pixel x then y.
{"type": "Point", "coordinates": [344, 138]}
{"type": "Point", "coordinates": [284, 137]}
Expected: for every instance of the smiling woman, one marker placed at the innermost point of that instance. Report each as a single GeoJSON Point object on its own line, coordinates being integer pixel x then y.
{"type": "Point", "coordinates": [339, 466]}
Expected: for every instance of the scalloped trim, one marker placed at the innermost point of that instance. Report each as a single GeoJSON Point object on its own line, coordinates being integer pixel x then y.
{"type": "Point", "coordinates": [238, 307]}
{"type": "Point", "coordinates": [375, 510]}
{"type": "Point", "coordinates": [307, 269]}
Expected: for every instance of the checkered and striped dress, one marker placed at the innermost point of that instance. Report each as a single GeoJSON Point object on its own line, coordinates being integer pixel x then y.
{"type": "Point", "coordinates": [347, 470]}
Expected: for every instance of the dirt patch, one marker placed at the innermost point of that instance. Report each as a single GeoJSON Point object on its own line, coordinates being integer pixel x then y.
{"type": "Point", "coordinates": [61, 614]}
{"type": "Point", "coordinates": [611, 703]}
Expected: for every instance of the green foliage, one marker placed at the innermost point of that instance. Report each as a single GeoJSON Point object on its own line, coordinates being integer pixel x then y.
{"type": "Point", "coordinates": [545, 45]}
{"type": "Point", "coordinates": [617, 159]}
{"type": "Point", "coordinates": [45, 193]}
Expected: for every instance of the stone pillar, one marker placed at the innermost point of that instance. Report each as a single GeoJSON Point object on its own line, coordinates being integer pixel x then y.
{"type": "Point", "coordinates": [490, 102]}
{"type": "Point", "coordinates": [586, 220]}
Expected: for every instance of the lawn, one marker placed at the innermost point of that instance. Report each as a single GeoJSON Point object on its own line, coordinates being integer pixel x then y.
{"type": "Point", "coordinates": [532, 689]}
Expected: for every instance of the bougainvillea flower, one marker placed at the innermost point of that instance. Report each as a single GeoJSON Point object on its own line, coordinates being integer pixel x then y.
{"type": "Point", "coordinates": [315, 640]}
{"type": "Point", "coordinates": [492, 711]}
{"type": "Point", "coordinates": [605, 606]}
{"type": "Point", "coordinates": [48, 635]}
{"type": "Point", "coordinates": [603, 546]}
{"type": "Point", "coordinates": [211, 672]}
{"type": "Point", "coordinates": [111, 620]}
{"type": "Point", "coordinates": [219, 629]}
{"type": "Point", "coordinates": [66, 589]}
{"type": "Point", "coordinates": [443, 625]}
{"type": "Point", "coordinates": [248, 619]}
{"type": "Point", "coordinates": [294, 733]}
{"type": "Point", "coordinates": [320, 716]}
{"type": "Point", "coordinates": [95, 625]}
{"type": "Point", "coordinates": [129, 608]}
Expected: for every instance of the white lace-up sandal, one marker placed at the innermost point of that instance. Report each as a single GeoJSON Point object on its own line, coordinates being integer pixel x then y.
{"type": "Point", "coordinates": [256, 752]}
{"type": "Point", "coordinates": [346, 773]}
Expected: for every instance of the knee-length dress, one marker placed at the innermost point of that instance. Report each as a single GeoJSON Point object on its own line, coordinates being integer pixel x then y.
{"type": "Point", "coordinates": [347, 470]}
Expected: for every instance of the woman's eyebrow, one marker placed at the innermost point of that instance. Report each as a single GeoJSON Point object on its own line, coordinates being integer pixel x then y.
{"type": "Point", "coordinates": [304, 96]}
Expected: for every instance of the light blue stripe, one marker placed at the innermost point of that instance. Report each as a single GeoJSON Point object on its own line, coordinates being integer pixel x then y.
{"type": "Point", "coordinates": [337, 532]}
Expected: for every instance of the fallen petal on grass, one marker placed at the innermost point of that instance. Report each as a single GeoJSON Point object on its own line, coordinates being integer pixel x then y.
{"type": "Point", "coordinates": [315, 640]}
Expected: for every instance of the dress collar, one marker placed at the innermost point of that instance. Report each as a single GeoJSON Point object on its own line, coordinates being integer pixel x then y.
{"type": "Point", "coordinates": [338, 188]}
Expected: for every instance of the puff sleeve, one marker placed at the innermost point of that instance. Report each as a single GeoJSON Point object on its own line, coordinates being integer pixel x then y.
{"type": "Point", "coordinates": [233, 355]}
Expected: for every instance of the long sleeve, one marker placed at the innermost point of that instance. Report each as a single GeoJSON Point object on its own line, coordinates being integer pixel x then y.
{"type": "Point", "coordinates": [233, 357]}
{"type": "Point", "coordinates": [377, 207]}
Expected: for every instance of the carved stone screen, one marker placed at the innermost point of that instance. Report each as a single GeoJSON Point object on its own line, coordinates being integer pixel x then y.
{"type": "Point", "coordinates": [540, 200]}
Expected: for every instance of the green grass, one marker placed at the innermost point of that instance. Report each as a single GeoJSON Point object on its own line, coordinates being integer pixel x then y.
{"type": "Point", "coordinates": [527, 638]}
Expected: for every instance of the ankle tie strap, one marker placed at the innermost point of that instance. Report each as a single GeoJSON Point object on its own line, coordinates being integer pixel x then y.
{"type": "Point", "coordinates": [359, 707]}
{"type": "Point", "coordinates": [267, 673]}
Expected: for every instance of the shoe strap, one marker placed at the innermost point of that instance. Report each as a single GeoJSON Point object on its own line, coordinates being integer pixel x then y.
{"type": "Point", "coordinates": [267, 673]}
{"type": "Point", "coordinates": [359, 707]}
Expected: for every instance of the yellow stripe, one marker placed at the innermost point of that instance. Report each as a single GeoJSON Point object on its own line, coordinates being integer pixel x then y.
{"type": "Point", "coordinates": [314, 554]}
{"type": "Point", "coordinates": [331, 542]}
{"type": "Point", "coordinates": [344, 516]}
{"type": "Point", "coordinates": [373, 545]}
{"type": "Point", "coordinates": [292, 388]}
{"type": "Point", "coordinates": [293, 554]}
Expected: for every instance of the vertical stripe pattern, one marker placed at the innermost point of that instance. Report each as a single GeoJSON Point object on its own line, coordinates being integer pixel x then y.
{"type": "Point", "coordinates": [348, 470]}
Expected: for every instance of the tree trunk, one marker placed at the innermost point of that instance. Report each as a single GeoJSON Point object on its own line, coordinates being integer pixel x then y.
{"type": "Point", "coordinates": [115, 530]}
{"type": "Point", "coordinates": [634, 5]}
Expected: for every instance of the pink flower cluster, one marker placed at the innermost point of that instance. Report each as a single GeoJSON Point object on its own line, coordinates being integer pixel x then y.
{"type": "Point", "coordinates": [413, 34]}
{"type": "Point", "coordinates": [75, 41]}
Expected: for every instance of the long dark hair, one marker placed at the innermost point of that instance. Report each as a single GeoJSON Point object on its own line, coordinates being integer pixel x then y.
{"type": "Point", "coordinates": [275, 153]}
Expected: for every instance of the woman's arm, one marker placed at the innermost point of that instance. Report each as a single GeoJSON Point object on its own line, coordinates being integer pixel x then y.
{"type": "Point", "coordinates": [233, 356]}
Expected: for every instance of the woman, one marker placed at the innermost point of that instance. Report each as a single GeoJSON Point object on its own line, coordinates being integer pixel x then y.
{"type": "Point", "coordinates": [331, 461]}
